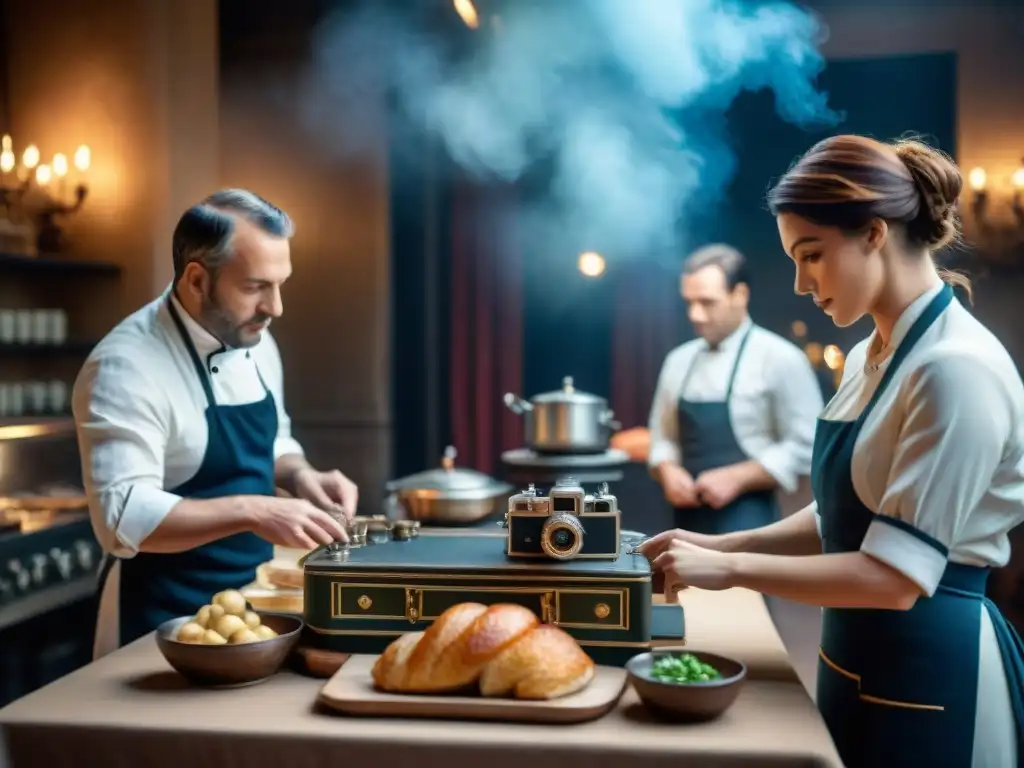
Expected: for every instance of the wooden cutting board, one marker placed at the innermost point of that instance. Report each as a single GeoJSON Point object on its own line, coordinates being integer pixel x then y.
{"type": "Point", "coordinates": [351, 692]}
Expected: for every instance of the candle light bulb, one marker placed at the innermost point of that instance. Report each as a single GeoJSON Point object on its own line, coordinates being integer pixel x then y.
{"type": "Point", "coordinates": [5, 143]}
{"type": "Point", "coordinates": [60, 165]}
{"type": "Point", "coordinates": [30, 157]}
{"type": "Point", "coordinates": [43, 175]}
{"type": "Point", "coordinates": [7, 161]}
{"type": "Point", "coordinates": [83, 157]}
{"type": "Point", "coordinates": [1018, 179]}
{"type": "Point", "coordinates": [977, 179]}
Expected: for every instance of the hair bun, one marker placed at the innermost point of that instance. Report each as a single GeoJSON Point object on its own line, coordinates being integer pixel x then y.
{"type": "Point", "coordinates": [939, 184]}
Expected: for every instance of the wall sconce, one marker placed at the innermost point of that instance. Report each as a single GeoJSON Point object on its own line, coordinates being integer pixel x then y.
{"type": "Point", "coordinates": [994, 231]}
{"type": "Point", "coordinates": [34, 194]}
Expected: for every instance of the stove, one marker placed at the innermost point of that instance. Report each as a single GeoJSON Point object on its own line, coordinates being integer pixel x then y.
{"type": "Point", "coordinates": [48, 558]}
{"type": "Point", "coordinates": [523, 465]}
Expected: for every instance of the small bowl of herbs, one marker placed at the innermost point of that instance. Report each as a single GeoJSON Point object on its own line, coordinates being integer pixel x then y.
{"type": "Point", "coordinates": [686, 686]}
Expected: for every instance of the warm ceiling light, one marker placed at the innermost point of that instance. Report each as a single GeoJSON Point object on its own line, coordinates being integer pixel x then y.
{"type": "Point", "coordinates": [591, 264]}
{"type": "Point", "coordinates": [467, 13]}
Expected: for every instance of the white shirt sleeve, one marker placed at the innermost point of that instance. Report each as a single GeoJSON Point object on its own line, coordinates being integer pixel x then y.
{"type": "Point", "coordinates": [122, 421]}
{"type": "Point", "coordinates": [273, 374]}
{"type": "Point", "coordinates": [663, 423]}
{"type": "Point", "coordinates": [797, 403]}
{"type": "Point", "coordinates": [957, 421]}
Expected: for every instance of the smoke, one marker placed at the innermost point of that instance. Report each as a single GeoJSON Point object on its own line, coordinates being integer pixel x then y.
{"type": "Point", "coordinates": [623, 98]}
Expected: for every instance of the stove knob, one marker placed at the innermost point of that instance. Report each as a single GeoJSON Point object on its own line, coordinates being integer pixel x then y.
{"type": "Point", "coordinates": [21, 576]}
{"type": "Point", "coordinates": [84, 554]}
{"type": "Point", "coordinates": [6, 590]}
{"type": "Point", "coordinates": [39, 563]}
{"type": "Point", "coordinates": [62, 559]}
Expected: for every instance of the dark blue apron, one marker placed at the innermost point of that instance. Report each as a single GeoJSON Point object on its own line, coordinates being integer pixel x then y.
{"type": "Point", "coordinates": [899, 688]}
{"type": "Point", "coordinates": [239, 460]}
{"type": "Point", "coordinates": [707, 441]}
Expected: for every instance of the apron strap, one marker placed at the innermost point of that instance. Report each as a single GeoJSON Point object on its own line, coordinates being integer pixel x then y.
{"type": "Point", "coordinates": [732, 375]}
{"type": "Point", "coordinates": [917, 330]}
{"type": "Point", "coordinates": [204, 378]}
{"type": "Point", "coordinates": [736, 363]}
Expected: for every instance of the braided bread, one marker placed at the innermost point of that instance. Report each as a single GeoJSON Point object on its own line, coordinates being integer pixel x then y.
{"type": "Point", "coordinates": [502, 650]}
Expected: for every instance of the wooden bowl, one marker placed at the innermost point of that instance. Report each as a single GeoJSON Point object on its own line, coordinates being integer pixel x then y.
{"type": "Point", "coordinates": [686, 702]}
{"type": "Point", "coordinates": [230, 666]}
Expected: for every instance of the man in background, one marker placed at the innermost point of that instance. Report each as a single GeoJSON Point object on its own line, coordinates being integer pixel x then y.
{"type": "Point", "coordinates": [734, 411]}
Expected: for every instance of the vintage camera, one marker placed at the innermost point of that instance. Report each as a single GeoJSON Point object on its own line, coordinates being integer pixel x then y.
{"type": "Point", "coordinates": [565, 524]}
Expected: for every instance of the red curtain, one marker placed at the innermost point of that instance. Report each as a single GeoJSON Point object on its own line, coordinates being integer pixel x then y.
{"type": "Point", "coordinates": [486, 323]}
{"type": "Point", "coordinates": [648, 316]}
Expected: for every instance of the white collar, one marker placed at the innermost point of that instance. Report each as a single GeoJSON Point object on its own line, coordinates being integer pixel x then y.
{"type": "Point", "coordinates": [911, 313]}
{"type": "Point", "coordinates": [206, 344]}
{"type": "Point", "coordinates": [734, 339]}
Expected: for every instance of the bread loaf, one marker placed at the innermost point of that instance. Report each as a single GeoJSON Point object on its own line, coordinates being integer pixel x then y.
{"type": "Point", "coordinates": [502, 650]}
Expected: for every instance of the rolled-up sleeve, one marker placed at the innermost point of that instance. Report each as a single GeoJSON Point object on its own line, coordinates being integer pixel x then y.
{"type": "Point", "coordinates": [273, 373]}
{"type": "Point", "coordinates": [957, 421]}
{"type": "Point", "coordinates": [122, 421]}
{"type": "Point", "coordinates": [663, 423]}
{"type": "Point", "coordinates": [797, 403]}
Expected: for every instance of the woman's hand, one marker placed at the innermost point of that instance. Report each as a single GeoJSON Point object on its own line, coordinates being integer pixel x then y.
{"type": "Point", "coordinates": [656, 545]}
{"type": "Point", "coordinates": [686, 564]}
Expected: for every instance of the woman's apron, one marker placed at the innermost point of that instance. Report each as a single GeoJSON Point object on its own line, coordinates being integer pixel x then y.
{"type": "Point", "coordinates": [707, 441]}
{"type": "Point", "coordinates": [899, 688]}
{"type": "Point", "coordinates": [239, 460]}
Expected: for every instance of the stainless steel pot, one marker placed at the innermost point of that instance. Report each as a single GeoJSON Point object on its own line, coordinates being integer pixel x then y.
{"type": "Point", "coordinates": [566, 421]}
{"type": "Point", "coordinates": [449, 496]}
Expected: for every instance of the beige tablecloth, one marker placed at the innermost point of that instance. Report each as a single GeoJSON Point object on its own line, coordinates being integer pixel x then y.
{"type": "Point", "coordinates": [130, 707]}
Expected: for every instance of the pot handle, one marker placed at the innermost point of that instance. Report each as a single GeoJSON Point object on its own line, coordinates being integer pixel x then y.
{"type": "Point", "coordinates": [516, 404]}
{"type": "Point", "coordinates": [608, 420]}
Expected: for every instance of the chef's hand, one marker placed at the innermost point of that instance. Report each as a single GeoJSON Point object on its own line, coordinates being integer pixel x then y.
{"type": "Point", "coordinates": [327, 490]}
{"type": "Point", "coordinates": [295, 523]}
{"type": "Point", "coordinates": [718, 488]}
{"type": "Point", "coordinates": [656, 545]}
{"type": "Point", "coordinates": [688, 565]}
{"type": "Point", "coordinates": [678, 486]}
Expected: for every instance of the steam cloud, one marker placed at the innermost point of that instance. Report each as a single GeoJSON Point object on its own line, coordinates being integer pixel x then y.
{"type": "Point", "coordinates": [626, 97]}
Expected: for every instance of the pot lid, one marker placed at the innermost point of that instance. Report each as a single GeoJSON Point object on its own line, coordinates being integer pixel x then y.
{"type": "Point", "coordinates": [568, 394]}
{"type": "Point", "coordinates": [450, 480]}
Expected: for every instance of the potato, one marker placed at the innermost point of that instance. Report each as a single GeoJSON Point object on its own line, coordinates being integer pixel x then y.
{"type": "Point", "coordinates": [263, 632]}
{"type": "Point", "coordinates": [244, 635]}
{"type": "Point", "coordinates": [251, 619]}
{"type": "Point", "coordinates": [231, 601]}
{"type": "Point", "coordinates": [212, 638]}
{"type": "Point", "coordinates": [205, 617]}
{"type": "Point", "coordinates": [191, 632]}
{"type": "Point", "coordinates": [228, 624]}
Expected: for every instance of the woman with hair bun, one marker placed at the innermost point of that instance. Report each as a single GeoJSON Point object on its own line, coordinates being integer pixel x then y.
{"type": "Point", "coordinates": [918, 474]}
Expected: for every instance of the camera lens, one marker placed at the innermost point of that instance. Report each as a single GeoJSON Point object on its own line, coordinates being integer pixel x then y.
{"type": "Point", "coordinates": [562, 536]}
{"type": "Point", "coordinates": [562, 539]}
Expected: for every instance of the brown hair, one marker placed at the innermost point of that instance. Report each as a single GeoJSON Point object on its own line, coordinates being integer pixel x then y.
{"type": "Point", "coordinates": [847, 181]}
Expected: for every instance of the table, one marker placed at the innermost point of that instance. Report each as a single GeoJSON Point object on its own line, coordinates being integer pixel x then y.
{"type": "Point", "coordinates": [130, 707]}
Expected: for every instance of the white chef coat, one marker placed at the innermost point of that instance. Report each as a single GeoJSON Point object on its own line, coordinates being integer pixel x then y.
{"type": "Point", "coordinates": [774, 407]}
{"type": "Point", "coordinates": [139, 407]}
{"type": "Point", "coordinates": [943, 451]}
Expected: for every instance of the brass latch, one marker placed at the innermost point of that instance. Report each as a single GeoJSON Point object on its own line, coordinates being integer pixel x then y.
{"type": "Point", "coordinates": [548, 611]}
{"type": "Point", "coordinates": [413, 600]}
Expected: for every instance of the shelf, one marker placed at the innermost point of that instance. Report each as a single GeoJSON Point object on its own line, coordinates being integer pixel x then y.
{"type": "Point", "coordinates": [52, 265]}
{"type": "Point", "coordinates": [46, 350]}
{"type": "Point", "coordinates": [27, 427]}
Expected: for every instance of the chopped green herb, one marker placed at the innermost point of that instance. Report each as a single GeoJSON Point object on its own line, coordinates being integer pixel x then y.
{"type": "Point", "coordinates": [683, 668]}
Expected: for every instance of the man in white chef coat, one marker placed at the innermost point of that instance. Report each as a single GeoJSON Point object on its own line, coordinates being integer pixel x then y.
{"type": "Point", "coordinates": [734, 412]}
{"type": "Point", "coordinates": [183, 431]}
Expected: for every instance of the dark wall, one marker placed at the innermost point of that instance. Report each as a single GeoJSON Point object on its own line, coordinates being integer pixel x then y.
{"type": "Point", "coordinates": [5, 109]}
